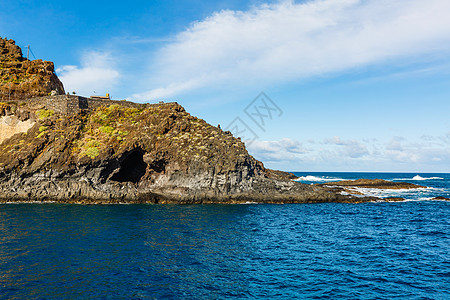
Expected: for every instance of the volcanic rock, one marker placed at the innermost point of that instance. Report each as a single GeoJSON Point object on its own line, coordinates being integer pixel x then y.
{"type": "Point", "coordinates": [441, 198]}
{"type": "Point", "coordinates": [21, 78]}
{"type": "Point", "coordinates": [72, 149]}
{"type": "Point", "coordinates": [137, 153]}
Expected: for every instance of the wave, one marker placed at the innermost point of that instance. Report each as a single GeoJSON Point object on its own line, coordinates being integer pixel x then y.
{"type": "Point", "coordinates": [418, 177]}
{"type": "Point", "coordinates": [425, 193]}
{"type": "Point", "coordinates": [317, 179]}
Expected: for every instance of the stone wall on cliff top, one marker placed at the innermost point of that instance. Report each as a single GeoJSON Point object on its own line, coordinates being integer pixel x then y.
{"type": "Point", "coordinates": [21, 78]}
{"type": "Point", "coordinates": [72, 104]}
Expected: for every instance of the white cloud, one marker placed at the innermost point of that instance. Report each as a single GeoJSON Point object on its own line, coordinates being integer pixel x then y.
{"type": "Point", "coordinates": [395, 143]}
{"type": "Point", "coordinates": [351, 148]}
{"type": "Point", "coordinates": [288, 41]}
{"type": "Point", "coordinates": [446, 138]}
{"type": "Point", "coordinates": [402, 156]}
{"type": "Point", "coordinates": [397, 154]}
{"type": "Point", "coordinates": [96, 73]}
{"type": "Point", "coordinates": [284, 149]}
{"type": "Point", "coordinates": [336, 140]}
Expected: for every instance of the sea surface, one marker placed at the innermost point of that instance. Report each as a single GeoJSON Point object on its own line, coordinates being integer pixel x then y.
{"type": "Point", "coordinates": [297, 251]}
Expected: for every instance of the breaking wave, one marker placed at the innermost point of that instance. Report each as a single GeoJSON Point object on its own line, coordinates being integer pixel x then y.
{"type": "Point", "coordinates": [312, 178]}
{"type": "Point", "coordinates": [418, 177]}
{"type": "Point", "coordinates": [426, 193]}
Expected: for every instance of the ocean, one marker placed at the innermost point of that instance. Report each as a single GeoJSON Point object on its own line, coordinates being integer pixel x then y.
{"type": "Point", "coordinates": [296, 251]}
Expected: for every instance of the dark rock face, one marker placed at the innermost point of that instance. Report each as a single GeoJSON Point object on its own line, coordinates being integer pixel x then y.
{"type": "Point", "coordinates": [21, 78]}
{"type": "Point", "coordinates": [138, 154]}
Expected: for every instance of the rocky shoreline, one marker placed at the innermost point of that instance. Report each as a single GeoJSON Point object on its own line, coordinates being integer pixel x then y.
{"type": "Point", "coordinates": [73, 149]}
{"type": "Point", "coordinates": [136, 154]}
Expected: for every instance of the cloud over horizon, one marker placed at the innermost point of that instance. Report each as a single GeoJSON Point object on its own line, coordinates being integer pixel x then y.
{"type": "Point", "coordinates": [338, 153]}
{"type": "Point", "coordinates": [286, 41]}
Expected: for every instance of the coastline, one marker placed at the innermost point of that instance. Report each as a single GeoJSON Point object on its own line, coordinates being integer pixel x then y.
{"type": "Point", "coordinates": [134, 153]}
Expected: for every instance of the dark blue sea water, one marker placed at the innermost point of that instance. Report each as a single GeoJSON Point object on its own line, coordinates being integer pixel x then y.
{"type": "Point", "coordinates": [351, 251]}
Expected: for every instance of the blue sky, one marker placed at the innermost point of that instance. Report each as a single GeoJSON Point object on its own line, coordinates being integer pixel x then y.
{"type": "Point", "coordinates": [363, 85]}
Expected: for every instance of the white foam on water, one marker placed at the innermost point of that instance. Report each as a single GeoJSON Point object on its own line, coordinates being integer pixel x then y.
{"type": "Point", "coordinates": [418, 177]}
{"type": "Point", "coordinates": [317, 179]}
{"type": "Point", "coordinates": [410, 194]}
{"type": "Point", "coordinates": [426, 198]}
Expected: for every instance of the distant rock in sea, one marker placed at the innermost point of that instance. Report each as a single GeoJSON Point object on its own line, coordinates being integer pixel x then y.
{"type": "Point", "coordinates": [441, 198]}
{"type": "Point", "coordinates": [373, 183]}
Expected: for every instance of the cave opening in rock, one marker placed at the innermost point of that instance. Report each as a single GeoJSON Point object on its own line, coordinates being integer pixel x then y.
{"type": "Point", "coordinates": [132, 168]}
{"type": "Point", "coordinates": [158, 166]}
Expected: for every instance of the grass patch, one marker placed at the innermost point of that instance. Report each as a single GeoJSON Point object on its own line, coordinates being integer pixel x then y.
{"type": "Point", "coordinates": [106, 129]}
{"type": "Point", "coordinates": [45, 113]}
{"type": "Point", "coordinates": [91, 149]}
{"type": "Point", "coordinates": [92, 143]}
{"type": "Point", "coordinates": [115, 113]}
{"type": "Point", "coordinates": [42, 131]}
{"type": "Point", "coordinates": [92, 152]}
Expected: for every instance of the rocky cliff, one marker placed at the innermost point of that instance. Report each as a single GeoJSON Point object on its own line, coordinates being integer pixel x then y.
{"type": "Point", "coordinates": [21, 78]}
{"type": "Point", "coordinates": [77, 150]}
{"type": "Point", "coordinates": [136, 154]}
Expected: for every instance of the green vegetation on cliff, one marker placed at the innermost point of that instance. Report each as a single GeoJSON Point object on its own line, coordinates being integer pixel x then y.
{"type": "Point", "coordinates": [165, 133]}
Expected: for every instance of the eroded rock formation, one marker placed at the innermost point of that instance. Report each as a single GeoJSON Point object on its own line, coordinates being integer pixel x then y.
{"type": "Point", "coordinates": [21, 78]}
{"type": "Point", "coordinates": [79, 150]}
{"type": "Point", "coordinates": [138, 154]}
{"type": "Point", "coordinates": [10, 123]}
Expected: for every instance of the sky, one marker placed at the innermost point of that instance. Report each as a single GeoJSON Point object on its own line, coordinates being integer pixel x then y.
{"type": "Point", "coordinates": [318, 85]}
